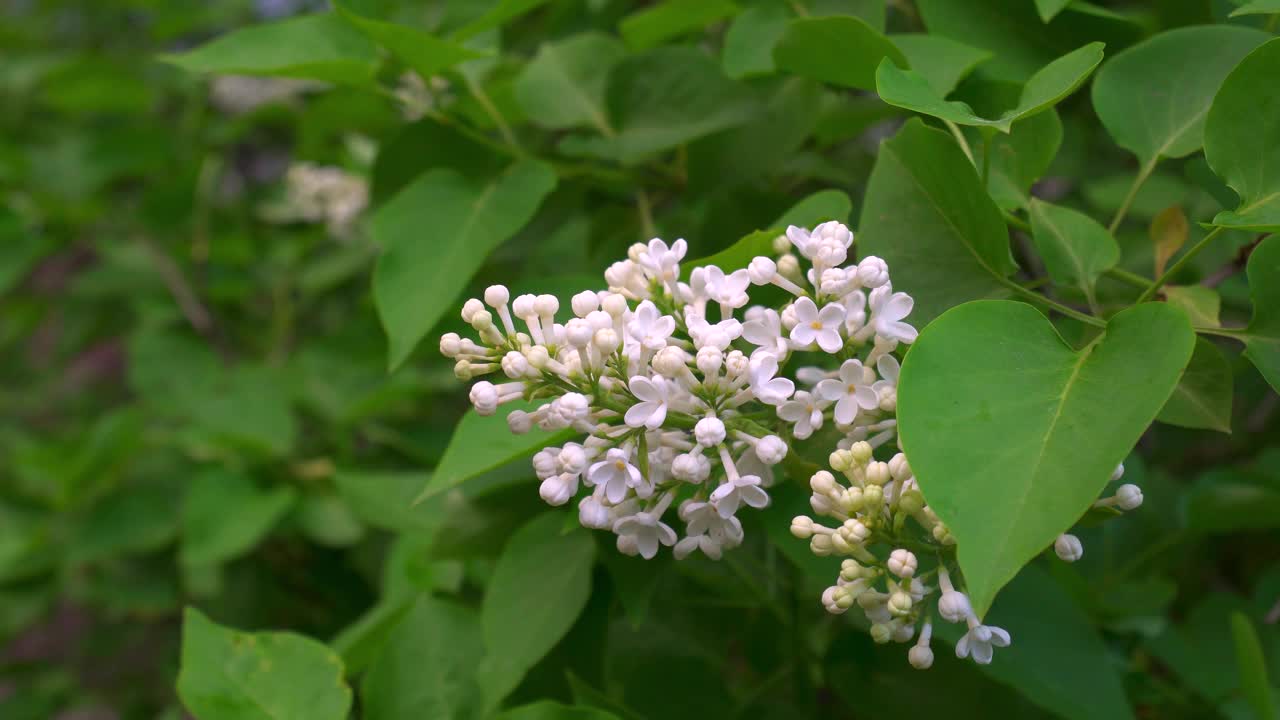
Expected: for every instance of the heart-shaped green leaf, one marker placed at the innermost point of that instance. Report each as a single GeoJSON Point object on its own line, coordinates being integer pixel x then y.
{"type": "Point", "coordinates": [926, 214]}
{"type": "Point", "coordinates": [563, 86]}
{"type": "Point", "coordinates": [910, 90]}
{"type": "Point", "coordinates": [942, 61]}
{"type": "Point", "coordinates": [1153, 97]}
{"type": "Point", "coordinates": [1012, 433]}
{"type": "Point", "coordinates": [1262, 337]}
{"type": "Point", "coordinates": [1202, 399]}
{"type": "Point", "coordinates": [422, 51]}
{"type": "Point", "coordinates": [1242, 139]}
{"type": "Point", "coordinates": [841, 50]}
{"type": "Point", "coordinates": [1074, 247]}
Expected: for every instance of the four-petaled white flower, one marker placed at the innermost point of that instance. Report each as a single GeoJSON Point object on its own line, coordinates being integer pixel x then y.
{"type": "Point", "coordinates": [886, 388]}
{"type": "Point", "coordinates": [768, 389]}
{"type": "Point", "coordinates": [764, 330]}
{"type": "Point", "coordinates": [662, 261]}
{"type": "Point", "coordinates": [977, 643]}
{"type": "Point", "coordinates": [727, 289]}
{"type": "Point", "coordinates": [805, 411]}
{"type": "Point", "coordinates": [616, 473]}
{"type": "Point", "coordinates": [736, 491]}
{"type": "Point", "coordinates": [649, 327]}
{"type": "Point", "coordinates": [888, 308]}
{"type": "Point", "coordinates": [848, 391]}
{"type": "Point", "coordinates": [820, 326]}
{"type": "Point", "coordinates": [652, 408]}
{"type": "Point", "coordinates": [646, 531]}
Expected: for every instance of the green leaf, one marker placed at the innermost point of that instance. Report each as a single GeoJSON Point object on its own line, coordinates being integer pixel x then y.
{"type": "Point", "coordinates": [751, 37]}
{"type": "Point", "coordinates": [1229, 500]}
{"type": "Point", "coordinates": [317, 47]}
{"type": "Point", "coordinates": [652, 26]}
{"type": "Point", "coordinates": [538, 589]}
{"type": "Point", "coordinates": [819, 207]}
{"type": "Point", "coordinates": [385, 499]}
{"type": "Point", "coordinates": [427, 669]}
{"type": "Point", "coordinates": [926, 214]}
{"type": "Point", "coordinates": [496, 16]}
{"type": "Point", "coordinates": [134, 520]}
{"type": "Point", "coordinates": [841, 50]}
{"type": "Point", "coordinates": [1242, 140]}
{"type": "Point", "coordinates": [910, 90]}
{"type": "Point", "coordinates": [482, 443]}
{"type": "Point", "coordinates": [425, 53]}
{"type": "Point", "coordinates": [20, 248]}
{"type": "Point", "coordinates": [1074, 247]}
{"type": "Point", "coordinates": [231, 675]}
{"type": "Point", "coordinates": [1201, 304]}
{"type": "Point", "coordinates": [1010, 455]}
{"type": "Point", "coordinates": [550, 710]}
{"type": "Point", "coordinates": [1252, 664]}
{"type": "Point", "coordinates": [1153, 97]}
{"type": "Point", "coordinates": [1202, 398]}
{"type": "Point", "coordinates": [564, 85]}
{"type": "Point", "coordinates": [225, 516]}
{"type": "Point", "coordinates": [1022, 157]}
{"type": "Point", "coordinates": [1257, 7]}
{"type": "Point", "coordinates": [1049, 8]}
{"type": "Point", "coordinates": [1200, 649]}
{"type": "Point", "coordinates": [666, 97]}
{"type": "Point", "coordinates": [436, 233]}
{"type": "Point", "coordinates": [1053, 659]}
{"type": "Point", "coordinates": [1262, 336]}
{"type": "Point", "coordinates": [943, 62]}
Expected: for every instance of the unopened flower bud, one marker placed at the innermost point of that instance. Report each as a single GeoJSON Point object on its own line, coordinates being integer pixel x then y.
{"type": "Point", "coordinates": [878, 473]}
{"type": "Point", "coordinates": [496, 296]}
{"type": "Point", "coordinates": [899, 468]}
{"type": "Point", "coordinates": [584, 302]}
{"type": "Point", "coordinates": [606, 341]}
{"type": "Point", "coordinates": [873, 272]}
{"type": "Point", "coordinates": [903, 563]}
{"type": "Point", "coordinates": [669, 362]}
{"type": "Point", "coordinates": [852, 500]}
{"type": "Point", "coordinates": [546, 305]}
{"type": "Point", "coordinates": [920, 657]}
{"type": "Point", "coordinates": [709, 360]}
{"type": "Point", "coordinates": [515, 365]}
{"type": "Point", "coordinates": [736, 363]}
{"type": "Point", "coordinates": [709, 432]}
{"type": "Point", "coordinates": [872, 498]}
{"type": "Point", "coordinates": [519, 422]}
{"type": "Point", "coordinates": [522, 306]}
{"type": "Point", "coordinates": [557, 490]}
{"type": "Point", "coordinates": [1117, 473]}
{"type": "Point", "coordinates": [771, 449]}
{"type": "Point", "coordinates": [820, 545]}
{"type": "Point", "coordinates": [538, 357]}
{"type": "Point", "coordinates": [450, 345]}
{"type": "Point", "coordinates": [781, 244]}
{"type": "Point", "coordinates": [1068, 547]}
{"type": "Point", "coordinates": [470, 308]}
{"type": "Point", "coordinates": [802, 527]}
{"type": "Point", "coordinates": [789, 265]}
{"type": "Point", "coordinates": [860, 452]}
{"type": "Point", "coordinates": [692, 467]}
{"type": "Point", "coordinates": [462, 370]}
{"type": "Point", "coordinates": [1129, 496]}
{"type": "Point", "coordinates": [762, 271]}
{"type": "Point", "coordinates": [788, 317]}
{"type": "Point", "coordinates": [578, 332]}
{"type": "Point", "coordinates": [855, 531]}
{"type": "Point", "coordinates": [544, 463]}
{"type": "Point", "coordinates": [911, 501]}
{"type": "Point", "coordinates": [840, 460]}
{"type": "Point", "coordinates": [954, 606]}
{"type": "Point", "coordinates": [850, 570]}
{"type": "Point", "coordinates": [592, 514]}
{"type": "Point", "coordinates": [900, 603]}
{"type": "Point", "coordinates": [482, 320]}
{"type": "Point", "coordinates": [881, 633]}
{"type": "Point", "coordinates": [822, 482]}
{"type": "Point", "coordinates": [614, 304]}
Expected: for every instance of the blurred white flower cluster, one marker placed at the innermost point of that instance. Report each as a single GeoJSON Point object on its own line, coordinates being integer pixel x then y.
{"type": "Point", "coordinates": [681, 384]}
{"type": "Point", "coordinates": [883, 527]}
{"type": "Point", "coordinates": [318, 193]}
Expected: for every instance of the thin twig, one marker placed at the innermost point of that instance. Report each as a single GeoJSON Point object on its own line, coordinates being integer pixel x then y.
{"type": "Point", "coordinates": [1143, 173]}
{"type": "Point", "coordinates": [1150, 292]}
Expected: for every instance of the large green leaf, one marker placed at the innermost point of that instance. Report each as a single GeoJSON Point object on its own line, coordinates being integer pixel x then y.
{"type": "Point", "coordinates": [1262, 337]}
{"type": "Point", "coordinates": [1257, 7]}
{"type": "Point", "coordinates": [751, 37]}
{"type": "Point", "coordinates": [1074, 247]}
{"type": "Point", "coordinates": [385, 499]}
{"type": "Point", "coordinates": [819, 207]}
{"type": "Point", "coordinates": [564, 85]}
{"type": "Point", "coordinates": [422, 51]}
{"type": "Point", "coordinates": [481, 443]}
{"type": "Point", "coordinates": [841, 50]}
{"type": "Point", "coordinates": [666, 97]}
{"type": "Point", "coordinates": [1252, 664]}
{"type": "Point", "coordinates": [1203, 396]}
{"type": "Point", "coordinates": [550, 710]}
{"type": "Point", "coordinates": [1050, 8]}
{"type": "Point", "coordinates": [225, 515]}
{"type": "Point", "coordinates": [436, 233]}
{"type": "Point", "coordinates": [1021, 157]}
{"type": "Point", "coordinates": [926, 214]}
{"type": "Point", "coordinates": [941, 61]}
{"type": "Point", "coordinates": [655, 24]}
{"type": "Point", "coordinates": [1226, 500]}
{"type": "Point", "coordinates": [1154, 96]}
{"type": "Point", "coordinates": [318, 47]}
{"type": "Point", "coordinates": [1049, 85]}
{"type": "Point", "coordinates": [427, 669]}
{"type": "Point", "coordinates": [1052, 660]}
{"type": "Point", "coordinates": [538, 588]}
{"type": "Point", "coordinates": [1242, 140]}
{"type": "Point", "coordinates": [1012, 433]}
{"type": "Point", "coordinates": [230, 675]}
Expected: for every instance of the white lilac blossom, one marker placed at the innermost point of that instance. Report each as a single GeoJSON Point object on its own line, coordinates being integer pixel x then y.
{"type": "Point", "coordinates": [683, 390]}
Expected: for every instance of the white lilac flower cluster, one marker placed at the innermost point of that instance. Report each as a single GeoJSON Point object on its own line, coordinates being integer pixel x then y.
{"type": "Point", "coordinates": [316, 193]}
{"type": "Point", "coordinates": [679, 384]}
{"type": "Point", "coordinates": [882, 509]}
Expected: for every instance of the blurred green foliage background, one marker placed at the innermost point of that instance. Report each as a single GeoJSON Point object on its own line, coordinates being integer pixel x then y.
{"type": "Point", "coordinates": [196, 408]}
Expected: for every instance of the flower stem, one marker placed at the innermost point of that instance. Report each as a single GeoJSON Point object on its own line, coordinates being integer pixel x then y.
{"type": "Point", "coordinates": [964, 144]}
{"type": "Point", "coordinates": [1051, 304]}
{"type": "Point", "coordinates": [1182, 261]}
{"type": "Point", "coordinates": [1125, 276]}
{"type": "Point", "coordinates": [1143, 173]}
